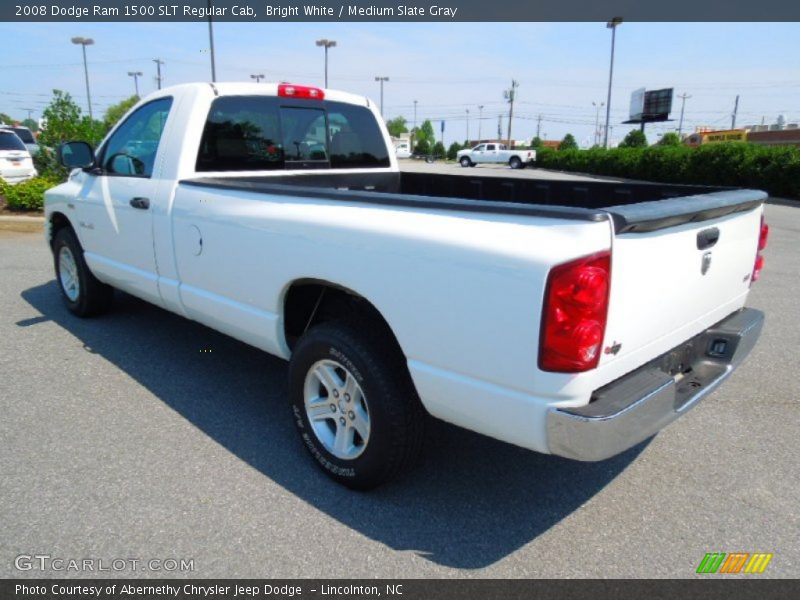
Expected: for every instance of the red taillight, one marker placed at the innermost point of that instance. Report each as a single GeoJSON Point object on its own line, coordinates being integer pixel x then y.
{"type": "Point", "coordinates": [287, 90]}
{"type": "Point", "coordinates": [763, 234]}
{"type": "Point", "coordinates": [574, 314]}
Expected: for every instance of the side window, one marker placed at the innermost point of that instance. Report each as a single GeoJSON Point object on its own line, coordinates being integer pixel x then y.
{"type": "Point", "coordinates": [304, 139]}
{"type": "Point", "coordinates": [131, 150]}
{"type": "Point", "coordinates": [242, 133]}
{"type": "Point", "coordinates": [356, 139]}
{"type": "Point", "coordinates": [480, 148]}
{"type": "Point", "coordinates": [490, 147]}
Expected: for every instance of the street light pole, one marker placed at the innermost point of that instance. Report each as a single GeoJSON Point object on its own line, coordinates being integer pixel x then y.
{"type": "Point", "coordinates": [211, 45]}
{"type": "Point", "coordinates": [83, 43]}
{"type": "Point", "coordinates": [326, 44]}
{"type": "Point", "coordinates": [415, 114]}
{"type": "Point", "coordinates": [258, 78]}
{"type": "Point", "coordinates": [381, 80]}
{"type": "Point", "coordinates": [612, 25]}
{"type": "Point", "coordinates": [597, 108]}
{"type": "Point", "coordinates": [135, 75]}
{"type": "Point", "coordinates": [683, 98]}
{"type": "Point", "coordinates": [480, 118]}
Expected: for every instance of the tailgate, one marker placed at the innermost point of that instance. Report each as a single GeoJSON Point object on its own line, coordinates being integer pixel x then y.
{"type": "Point", "coordinates": [678, 267]}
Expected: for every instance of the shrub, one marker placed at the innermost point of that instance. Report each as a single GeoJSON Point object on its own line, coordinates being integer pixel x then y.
{"type": "Point", "coordinates": [452, 151]}
{"type": "Point", "coordinates": [27, 195]}
{"type": "Point", "coordinates": [438, 150]}
{"type": "Point", "coordinates": [775, 169]}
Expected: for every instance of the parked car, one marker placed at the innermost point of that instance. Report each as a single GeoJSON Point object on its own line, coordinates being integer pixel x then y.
{"type": "Point", "coordinates": [26, 135]}
{"type": "Point", "coordinates": [16, 163]}
{"type": "Point", "coordinates": [497, 154]}
{"type": "Point", "coordinates": [403, 150]}
{"type": "Point", "coordinates": [572, 318]}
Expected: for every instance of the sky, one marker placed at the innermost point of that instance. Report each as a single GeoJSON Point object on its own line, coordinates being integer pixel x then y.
{"type": "Point", "coordinates": [449, 68]}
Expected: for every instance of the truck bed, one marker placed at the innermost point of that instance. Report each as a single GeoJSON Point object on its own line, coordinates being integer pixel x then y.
{"type": "Point", "coordinates": [633, 207]}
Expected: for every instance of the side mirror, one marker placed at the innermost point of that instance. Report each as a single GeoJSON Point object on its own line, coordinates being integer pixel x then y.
{"type": "Point", "coordinates": [76, 155]}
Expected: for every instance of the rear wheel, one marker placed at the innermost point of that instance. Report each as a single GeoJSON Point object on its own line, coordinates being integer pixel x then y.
{"type": "Point", "coordinates": [81, 291]}
{"type": "Point", "coordinates": [515, 162]}
{"type": "Point", "coordinates": [354, 405]}
{"type": "Point", "coordinates": [465, 162]}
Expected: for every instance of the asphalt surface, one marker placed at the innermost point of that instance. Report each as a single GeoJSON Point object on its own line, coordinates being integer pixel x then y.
{"type": "Point", "coordinates": [143, 435]}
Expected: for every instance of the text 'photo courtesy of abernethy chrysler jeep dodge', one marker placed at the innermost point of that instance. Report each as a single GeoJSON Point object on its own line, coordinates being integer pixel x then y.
{"type": "Point", "coordinates": [571, 318]}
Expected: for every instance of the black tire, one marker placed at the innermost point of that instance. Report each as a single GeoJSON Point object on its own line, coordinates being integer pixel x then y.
{"type": "Point", "coordinates": [395, 414]}
{"type": "Point", "coordinates": [515, 162]}
{"type": "Point", "coordinates": [92, 297]}
{"type": "Point", "coordinates": [465, 162]}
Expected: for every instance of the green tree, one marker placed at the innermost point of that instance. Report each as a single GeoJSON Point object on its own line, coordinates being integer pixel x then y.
{"type": "Point", "coordinates": [536, 143]}
{"type": "Point", "coordinates": [438, 150]}
{"type": "Point", "coordinates": [397, 126]}
{"type": "Point", "coordinates": [452, 151]}
{"type": "Point", "coordinates": [5, 119]}
{"type": "Point", "coordinates": [116, 111]}
{"type": "Point", "coordinates": [64, 123]}
{"type": "Point", "coordinates": [425, 132]}
{"type": "Point", "coordinates": [670, 139]}
{"type": "Point", "coordinates": [634, 139]}
{"type": "Point", "coordinates": [31, 124]}
{"type": "Point", "coordinates": [422, 147]}
{"type": "Point", "coordinates": [568, 143]}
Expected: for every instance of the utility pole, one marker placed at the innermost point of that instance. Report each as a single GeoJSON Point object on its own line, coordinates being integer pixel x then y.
{"type": "Point", "coordinates": [326, 44]}
{"type": "Point", "coordinates": [258, 78]}
{"type": "Point", "coordinates": [211, 44]}
{"type": "Point", "coordinates": [468, 127]}
{"type": "Point", "coordinates": [597, 107]}
{"type": "Point", "coordinates": [538, 126]}
{"type": "Point", "coordinates": [684, 97]}
{"type": "Point", "coordinates": [499, 127]}
{"type": "Point", "coordinates": [735, 110]}
{"type": "Point", "coordinates": [83, 43]}
{"type": "Point", "coordinates": [30, 112]}
{"type": "Point", "coordinates": [509, 95]}
{"type": "Point", "coordinates": [480, 118]}
{"type": "Point", "coordinates": [158, 62]}
{"type": "Point", "coordinates": [612, 25]}
{"type": "Point", "coordinates": [135, 75]}
{"type": "Point", "coordinates": [381, 80]}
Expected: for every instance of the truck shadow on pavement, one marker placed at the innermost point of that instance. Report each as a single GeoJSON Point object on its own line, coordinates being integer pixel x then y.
{"type": "Point", "coordinates": [471, 502]}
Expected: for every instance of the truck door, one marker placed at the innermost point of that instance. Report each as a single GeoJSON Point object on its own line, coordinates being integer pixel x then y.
{"type": "Point", "coordinates": [114, 208]}
{"type": "Point", "coordinates": [491, 153]}
{"type": "Point", "coordinates": [477, 154]}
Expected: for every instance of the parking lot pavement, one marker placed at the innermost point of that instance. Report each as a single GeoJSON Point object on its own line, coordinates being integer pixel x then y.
{"type": "Point", "coordinates": [143, 435]}
{"type": "Point", "coordinates": [440, 166]}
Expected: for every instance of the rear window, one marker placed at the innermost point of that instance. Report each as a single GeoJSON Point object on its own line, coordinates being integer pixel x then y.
{"type": "Point", "coordinates": [24, 134]}
{"type": "Point", "coordinates": [10, 141]}
{"type": "Point", "coordinates": [254, 133]}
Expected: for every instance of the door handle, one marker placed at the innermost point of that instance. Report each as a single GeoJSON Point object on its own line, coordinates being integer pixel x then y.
{"type": "Point", "coordinates": [707, 238]}
{"type": "Point", "coordinates": [139, 202]}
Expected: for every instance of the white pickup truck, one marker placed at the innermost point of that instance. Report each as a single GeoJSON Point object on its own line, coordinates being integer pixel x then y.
{"type": "Point", "coordinates": [572, 318]}
{"type": "Point", "coordinates": [498, 154]}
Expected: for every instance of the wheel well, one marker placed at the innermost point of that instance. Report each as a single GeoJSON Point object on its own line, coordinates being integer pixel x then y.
{"type": "Point", "coordinates": [57, 222]}
{"type": "Point", "coordinates": [312, 302]}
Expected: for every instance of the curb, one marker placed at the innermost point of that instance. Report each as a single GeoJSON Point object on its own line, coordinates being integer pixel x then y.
{"type": "Point", "coordinates": [22, 224]}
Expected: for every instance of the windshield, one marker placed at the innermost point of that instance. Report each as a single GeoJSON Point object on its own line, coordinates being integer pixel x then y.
{"type": "Point", "coordinates": [24, 134]}
{"type": "Point", "coordinates": [9, 141]}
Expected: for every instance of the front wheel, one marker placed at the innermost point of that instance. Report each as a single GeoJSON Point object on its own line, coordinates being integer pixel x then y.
{"type": "Point", "coordinates": [81, 291]}
{"type": "Point", "coordinates": [465, 162]}
{"type": "Point", "coordinates": [354, 405]}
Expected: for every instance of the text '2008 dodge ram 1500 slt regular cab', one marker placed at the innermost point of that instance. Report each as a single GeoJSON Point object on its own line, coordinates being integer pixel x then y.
{"type": "Point", "coordinates": [572, 318]}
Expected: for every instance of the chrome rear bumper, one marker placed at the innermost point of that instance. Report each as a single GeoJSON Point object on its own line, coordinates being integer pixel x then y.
{"type": "Point", "coordinates": [636, 406]}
